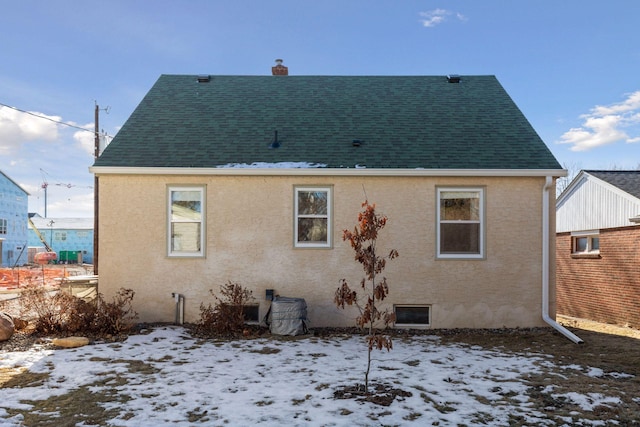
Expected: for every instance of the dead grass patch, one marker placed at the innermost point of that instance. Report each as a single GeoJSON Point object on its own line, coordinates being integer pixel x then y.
{"type": "Point", "coordinates": [266, 350]}
{"type": "Point", "coordinates": [379, 394]}
{"type": "Point", "coordinates": [20, 377]}
{"type": "Point", "coordinates": [80, 406]}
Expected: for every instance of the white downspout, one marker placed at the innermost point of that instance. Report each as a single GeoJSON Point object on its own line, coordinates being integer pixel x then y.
{"type": "Point", "coordinates": [179, 300]}
{"type": "Point", "coordinates": [545, 265]}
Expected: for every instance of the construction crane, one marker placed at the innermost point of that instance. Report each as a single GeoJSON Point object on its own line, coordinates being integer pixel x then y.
{"type": "Point", "coordinates": [45, 186]}
{"type": "Point", "coordinates": [43, 257]}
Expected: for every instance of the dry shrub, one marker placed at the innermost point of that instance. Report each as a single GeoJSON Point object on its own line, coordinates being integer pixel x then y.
{"type": "Point", "coordinates": [76, 314]}
{"type": "Point", "coordinates": [59, 312]}
{"type": "Point", "coordinates": [117, 316]}
{"type": "Point", "coordinates": [51, 310]}
{"type": "Point", "coordinates": [227, 317]}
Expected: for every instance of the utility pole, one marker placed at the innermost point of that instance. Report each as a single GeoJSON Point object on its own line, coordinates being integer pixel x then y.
{"type": "Point", "coordinates": [95, 194]}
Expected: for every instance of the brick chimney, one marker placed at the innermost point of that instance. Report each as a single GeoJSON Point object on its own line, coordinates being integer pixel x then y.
{"type": "Point", "coordinates": [279, 69]}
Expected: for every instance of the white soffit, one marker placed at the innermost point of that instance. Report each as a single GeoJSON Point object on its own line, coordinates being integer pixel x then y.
{"type": "Point", "coordinates": [105, 170]}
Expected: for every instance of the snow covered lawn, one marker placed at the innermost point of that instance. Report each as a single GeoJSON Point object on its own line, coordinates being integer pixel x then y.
{"type": "Point", "coordinates": [166, 377]}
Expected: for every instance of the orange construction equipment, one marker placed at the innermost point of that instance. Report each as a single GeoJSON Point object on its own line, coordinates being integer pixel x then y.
{"type": "Point", "coordinates": [43, 257]}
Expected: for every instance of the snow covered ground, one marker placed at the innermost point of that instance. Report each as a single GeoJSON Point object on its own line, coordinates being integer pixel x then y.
{"type": "Point", "coordinates": [168, 378]}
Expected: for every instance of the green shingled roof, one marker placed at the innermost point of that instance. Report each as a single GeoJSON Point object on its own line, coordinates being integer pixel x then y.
{"type": "Point", "coordinates": [402, 122]}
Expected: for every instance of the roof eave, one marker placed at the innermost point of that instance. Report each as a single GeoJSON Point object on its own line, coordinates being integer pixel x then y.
{"type": "Point", "coordinates": [114, 170]}
{"type": "Point", "coordinates": [15, 183]}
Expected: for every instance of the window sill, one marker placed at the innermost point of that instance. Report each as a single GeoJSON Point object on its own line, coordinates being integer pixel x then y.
{"type": "Point", "coordinates": [298, 246]}
{"type": "Point", "coordinates": [460, 258]}
{"type": "Point", "coordinates": [586, 256]}
{"type": "Point", "coordinates": [185, 256]}
{"type": "Point", "coordinates": [411, 326]}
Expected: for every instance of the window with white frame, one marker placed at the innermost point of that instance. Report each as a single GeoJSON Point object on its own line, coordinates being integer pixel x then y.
{"type": "Point", "coordinates": [60, 236]}
{"type": "Point", "coordinates": [312, 217]}
{"type": "Point", "coordinates": [3, 226]}
{"type": "Point", "coordinates": [186, 226]}
{"type": "Point", "coordinates": [412, 315]}
{"type": "Point", "coordinates": [585, 242]}
{"type": "Point", "coordinates": [460, 216]}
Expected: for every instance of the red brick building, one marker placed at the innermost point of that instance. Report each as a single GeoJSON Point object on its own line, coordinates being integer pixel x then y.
{"type": "Point", "coordinates": [598, 248]}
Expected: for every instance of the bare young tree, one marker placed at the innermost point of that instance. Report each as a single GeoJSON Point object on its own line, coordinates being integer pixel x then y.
{"type": "Point", "coordinates": [363, 240]}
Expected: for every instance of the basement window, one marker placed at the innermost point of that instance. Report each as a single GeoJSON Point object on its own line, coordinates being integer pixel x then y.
{"type": "Point", "coordinates": [186, 227]}
{"type": "Point", "coordinates": [585, 243]}
{"type": "Point", "coordinates": [412, 316]}
{"type": "Point", "coordinates": [251, 313]}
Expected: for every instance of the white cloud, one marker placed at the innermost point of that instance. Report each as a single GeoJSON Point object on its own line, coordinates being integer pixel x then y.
{"type": "Point", "coordinates": [606, 125]}
{"type": "Point", "coordinates": [632, 103]}
{"type": "Point", "coordinates": [434, 17]}
{"type": "Point", "coordinates": [86, 140]}
{"type": "Point", "coordinates": [17, 127]}
{"type": "Point", "coordinates": [75, 202]}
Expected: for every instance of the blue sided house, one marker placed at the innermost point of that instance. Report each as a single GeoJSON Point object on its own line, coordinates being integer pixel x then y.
{"type": "Point", "coordinates": [13, 222]}
{"type": "Point", "coordinates": [70, 238]}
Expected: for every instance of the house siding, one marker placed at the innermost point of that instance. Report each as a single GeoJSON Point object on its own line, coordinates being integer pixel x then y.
{"type": "Point", "coordinates": [13, 210]}
{"type": "Point", "coordinates": [591, 204]}
{"type": "Point", "coordinates": [249, 241]}
{"type": "Point", "coordinates": [604, 289]}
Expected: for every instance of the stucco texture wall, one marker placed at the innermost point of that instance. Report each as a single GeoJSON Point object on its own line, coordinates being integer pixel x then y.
{"type": "Point", "coordinates": [249, 240]}
{"type": "Point", "coordinates": [604, 288]}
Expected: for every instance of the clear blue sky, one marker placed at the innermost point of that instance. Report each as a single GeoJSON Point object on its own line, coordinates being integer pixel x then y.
{"type": "Point", "coordinates": [572, 66]}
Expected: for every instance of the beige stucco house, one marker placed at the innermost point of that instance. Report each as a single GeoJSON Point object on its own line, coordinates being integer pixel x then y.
{"type": "Point", "coordinates": [252, 179]}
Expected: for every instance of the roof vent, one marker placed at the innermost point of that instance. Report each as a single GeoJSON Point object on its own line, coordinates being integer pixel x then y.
{"type": "Point", "coordinates": [453, 78]}
{"type": "Point", "coordinates": [356, 143]}
{"type": "Point", "coordinates": [275, 143]}
{"type": "Point", "coordinates": [204, 78]}
{"type": "Point", "coordinates": [279, 69]}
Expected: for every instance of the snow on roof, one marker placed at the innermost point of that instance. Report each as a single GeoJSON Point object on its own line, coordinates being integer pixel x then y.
{"type": "Point", "coordinates": [278, 165]}
{"type": "Point", "coordinates": [63, 223]}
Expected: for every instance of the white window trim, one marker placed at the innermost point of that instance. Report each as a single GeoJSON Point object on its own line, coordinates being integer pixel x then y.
{"type": "Point", "coordinates": [413, 325]}
{"type": "Point", "coordinates": [481, 244]}
{"type": "Point", "coordinates": [590, 235]}
{"type": "Point", "coordinates": [329, 216]}
{"type": "Point", "coordinates": [203, 227]}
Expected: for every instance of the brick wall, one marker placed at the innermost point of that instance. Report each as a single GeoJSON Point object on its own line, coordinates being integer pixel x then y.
{"type": "Point", "coordinates": [606, 288]}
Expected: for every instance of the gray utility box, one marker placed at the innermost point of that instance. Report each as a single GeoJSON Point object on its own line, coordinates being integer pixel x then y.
{"type": "Point", "coordinates": [288, 316]}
